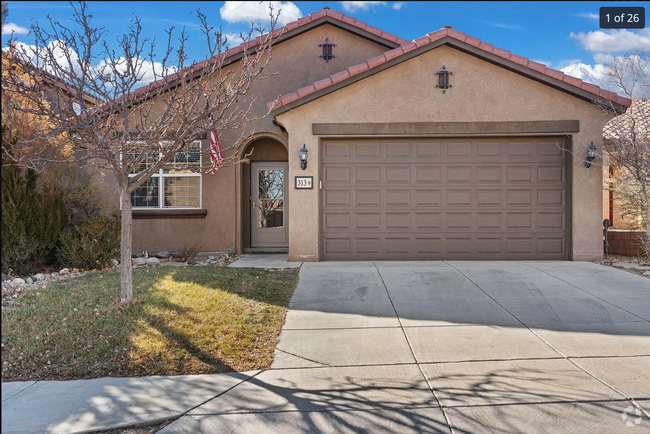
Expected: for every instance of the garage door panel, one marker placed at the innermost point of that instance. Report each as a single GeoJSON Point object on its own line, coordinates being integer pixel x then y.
{"type": "Point", "coordinates": [487, 198]}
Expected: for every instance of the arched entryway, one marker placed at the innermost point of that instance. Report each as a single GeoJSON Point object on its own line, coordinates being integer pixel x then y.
{"type": "Point", "coordinates": [264, 219]}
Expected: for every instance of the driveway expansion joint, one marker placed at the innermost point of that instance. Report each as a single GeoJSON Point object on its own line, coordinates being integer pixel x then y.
{"type": "Point", "coordinates": [641, 319]}
{"type": "Point", "coordinates": [444, 413]}
{"type": "Point", "coordinates": [553, 347]}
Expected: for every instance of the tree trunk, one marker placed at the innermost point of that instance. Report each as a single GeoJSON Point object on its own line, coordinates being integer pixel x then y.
{"type": "Point", "coordinates": [126, 295]}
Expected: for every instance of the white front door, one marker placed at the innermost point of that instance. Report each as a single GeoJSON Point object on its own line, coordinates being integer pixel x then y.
{"type": "Point", "coordinates": [269, 223]}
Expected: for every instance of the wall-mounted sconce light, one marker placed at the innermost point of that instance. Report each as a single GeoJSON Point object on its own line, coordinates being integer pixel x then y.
{"type": "Point", "coordinates": [591, 155]}
{"type": "Point", "coordinates": [303, 157]}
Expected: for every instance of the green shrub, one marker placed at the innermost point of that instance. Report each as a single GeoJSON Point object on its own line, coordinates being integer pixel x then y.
{"type": "Point", "coordinates": [91, 244]}
{"type": "Point", "coordinates": [32, 219]}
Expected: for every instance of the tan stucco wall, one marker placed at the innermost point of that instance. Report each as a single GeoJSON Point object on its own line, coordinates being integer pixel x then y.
{"type": "Point", "coordinates": [481, 92]}
{"type": "Point", "coordinates": [295, 64]}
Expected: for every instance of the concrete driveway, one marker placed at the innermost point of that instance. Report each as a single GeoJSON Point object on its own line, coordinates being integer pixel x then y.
{"type": "Point", "coordinates": [457, 347]}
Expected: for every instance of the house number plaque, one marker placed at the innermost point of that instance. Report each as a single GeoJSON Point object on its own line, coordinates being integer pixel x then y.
{"type": "Point", "coordinates": [304, 182]}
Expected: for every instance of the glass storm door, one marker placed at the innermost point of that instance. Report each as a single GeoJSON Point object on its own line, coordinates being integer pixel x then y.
{"type": "Point", "coordinates": [268, 201]}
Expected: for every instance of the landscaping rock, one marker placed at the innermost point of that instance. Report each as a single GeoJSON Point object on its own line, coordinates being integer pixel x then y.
{"type": "Point", "coordinates": [40, 276]}
{"type": "Point", "coordinates": [140, 261]}
{"type": "Point", "coordinates": [115, 262]}
{"type": "Point", "coordinates": [54, 275]}
{"type": "Point", "coordinates": [176, 254]}
{"type": "Point", "coordinates": [211, 258]}
{"type": "Point", "coordinates": [646, 273]}
{"type": "Point", "coordinates": [29, 281]}
{"type": "Point", "coordinates": [191, 262]}
{"type": "Point", "coordinates": [17, 282]}
{"type": "Point", "coordinates": [64, 271]}
{"type": "Point", "coordinates": [153, 261]}
{"type": "Point", "coordinates": [5, 277]}
{"type": "Point", "coordinates": [164, 254]}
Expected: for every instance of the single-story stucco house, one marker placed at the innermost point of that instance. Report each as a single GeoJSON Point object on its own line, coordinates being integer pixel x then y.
{"type": "Point", "coordinates": [445, 147]}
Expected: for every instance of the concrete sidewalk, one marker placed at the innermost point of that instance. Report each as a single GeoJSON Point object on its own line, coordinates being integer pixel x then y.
{"type": "Point", "coordinates": [83, 405]}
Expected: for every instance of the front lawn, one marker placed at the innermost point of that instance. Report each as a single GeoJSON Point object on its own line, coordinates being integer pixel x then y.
{"type": "Point", "coordinates": [187, 320]}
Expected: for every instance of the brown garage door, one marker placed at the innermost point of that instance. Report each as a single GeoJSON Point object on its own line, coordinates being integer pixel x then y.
{"type": "Point", "coordinates": [460, 198]}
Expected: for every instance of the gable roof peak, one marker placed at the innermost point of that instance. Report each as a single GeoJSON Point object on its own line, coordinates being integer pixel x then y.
{"type": "Point", "coordinates": [449, 36]}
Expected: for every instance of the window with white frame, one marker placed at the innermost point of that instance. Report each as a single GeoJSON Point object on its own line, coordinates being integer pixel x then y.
{"type": "Point", "coordinates": [176, 185]}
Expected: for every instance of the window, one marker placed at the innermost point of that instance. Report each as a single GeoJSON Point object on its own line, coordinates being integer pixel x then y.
{"type": "Point", "coordinates": [176, 185]}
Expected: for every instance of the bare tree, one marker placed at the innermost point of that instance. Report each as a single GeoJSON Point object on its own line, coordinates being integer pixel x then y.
{"type": "Point", "coordinates": [131, 132]}
{"type": "Point", "coordinates": [627, 137]}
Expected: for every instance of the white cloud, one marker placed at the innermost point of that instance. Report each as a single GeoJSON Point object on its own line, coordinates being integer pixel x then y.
{"type": "Point", "coordinates": [233, 39]}
{"type": "Point", "coordinates": [147, 71]}
{"type": "Point", "coordinates": [398, 5]}
{"type": "Point", "coordinates": [504, 25]}
{"type": "Point", "coordinates": [598, 73]}
{"type": "Point", "coordinates": [13, 28]}
{"type": "Point", "coordinates": [613, 41]}
{"type": "Point", "coordinates": [590, 15]}
{"type": "Point", "coordinates": [351, 7]}
{"type": "Point", "coordinates": [557, 64]}
{"type": "Point", "coordinates": [60, 54]}
{"type": "Point", "coordinates": [63, 55]}
{"type": "Point", "coordinates": [247, 11]}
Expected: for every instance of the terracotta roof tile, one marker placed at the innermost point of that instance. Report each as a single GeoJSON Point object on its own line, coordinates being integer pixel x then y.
{"type": "Point", "coordinates": [320, 84]}
{"type": "Point", "coordinates": [357, 69]}
{"type": "Point", "coordinates": [623, 101]}
{"type": "Point", "coordinates": [485, 46]}
{"type": "Point", "coordinates": [554, 73]}
{"type": "Point", "coordinates": [537, 66]}
{"type": "Point", "coordinates": [375, 61]}
{"type": "Point", "coordinates": [340, 76]}
{"type": "Point", "coordinates": [373, 30]}
{"type": "Point", "coordinates": [389, 36]}
{"type": "Point", "coordinates": [438, 34]}
{"type": "Point", "coordinates": [501, 52]}
{"type": "Point", "coordinates": [316, 15]}
{"type": "Point", "coordinates": [361, 25]}
{"type": "Point", "coordinates": [460, 36]}
{"type": "Point", "coordinates": [339, 16]}
{"type": "Point", "coordinates": [349, 20]}
{"type": "Point", "coordinates": [424, 40]}
{"type": "Point", "coordinates": [590, 88]}
{"type": "Point", "coordinates": [519, 59]}
{"type": "Point", "coordinates": [394, 53]}
{"type": "Point", "coordinates": [304, 20]}
{"type": "Point", "coordinates": [292, 25]}
{"type": "Point", "coordinates": [572, 80]}
{"type": "Point", "coordinates": [286, 99]}
{"type": "Point", "coordinates": [473, 41]}
{"type": "Point", "coordinates": [304, 91]}
{"type": "Point", "coordinates": [409, 46]}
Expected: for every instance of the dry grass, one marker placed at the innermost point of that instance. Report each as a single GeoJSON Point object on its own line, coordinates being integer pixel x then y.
{"type": "Point", "coordinates": [187, 320]}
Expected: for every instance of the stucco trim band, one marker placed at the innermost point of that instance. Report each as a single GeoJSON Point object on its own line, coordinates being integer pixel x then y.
{"type": "Point", "coordinates": [169, 213]}
{"type": "Point", "coordinates": [428, 128]}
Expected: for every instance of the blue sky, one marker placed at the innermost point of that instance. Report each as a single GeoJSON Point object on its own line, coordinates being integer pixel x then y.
{"type": "Point", "coordinates": [559, 34]}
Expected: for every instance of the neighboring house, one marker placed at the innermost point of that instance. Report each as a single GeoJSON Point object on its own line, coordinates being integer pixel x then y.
{"type": "Point", "coordinates": [490, 167]}
{"type": "Point", "coordinates": [622, 216]}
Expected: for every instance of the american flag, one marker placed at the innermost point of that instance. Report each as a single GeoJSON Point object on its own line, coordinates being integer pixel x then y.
{"type": "Point", "coordinates": [216, 156]}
